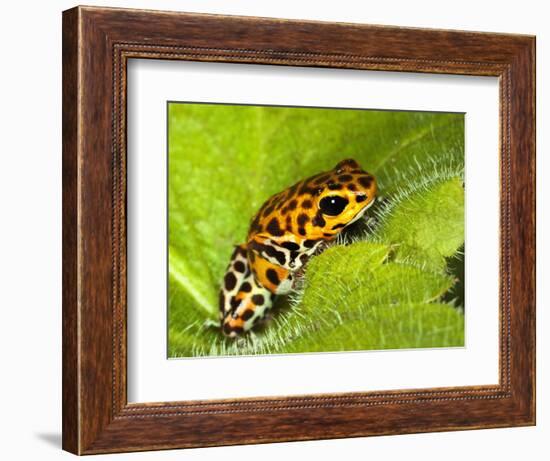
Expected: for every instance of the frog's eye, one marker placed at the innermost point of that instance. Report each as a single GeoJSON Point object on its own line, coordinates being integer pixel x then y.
{"type": "Point", "coordinates": [333, 205]}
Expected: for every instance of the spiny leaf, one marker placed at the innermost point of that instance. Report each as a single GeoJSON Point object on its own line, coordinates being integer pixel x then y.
{"type": "Point", "coordinates": [427, 226]}
{"type": "Point", "coordinates": [333, 297]}
{"type": "Point", "coordinates": [390, 327]}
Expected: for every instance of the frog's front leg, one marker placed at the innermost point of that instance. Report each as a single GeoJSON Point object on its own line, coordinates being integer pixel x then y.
{"type": "Point", "coordinates": [243, 300]}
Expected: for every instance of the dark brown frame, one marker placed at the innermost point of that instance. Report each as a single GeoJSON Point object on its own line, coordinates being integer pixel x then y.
{"type": "Point", "coordinates": [97, 43]}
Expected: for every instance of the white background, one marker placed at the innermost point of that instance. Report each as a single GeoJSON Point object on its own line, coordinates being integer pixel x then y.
{"type": "Point", "coordinates": [153, 378]}
{"type": "Point", "coordinates": [30, 243]}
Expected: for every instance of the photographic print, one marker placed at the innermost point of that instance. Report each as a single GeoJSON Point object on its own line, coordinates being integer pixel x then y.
{"type": "Point", "coordinates": [304, 229]}
{"type": "Point", "coordinates": [242, 201]}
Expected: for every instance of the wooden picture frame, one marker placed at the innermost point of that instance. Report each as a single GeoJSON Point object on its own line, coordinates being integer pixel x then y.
{"type": "Point", "coordinates": [97, 43]}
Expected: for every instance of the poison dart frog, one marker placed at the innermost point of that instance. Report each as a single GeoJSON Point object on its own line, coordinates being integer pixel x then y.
{"type": "Point", "coordinates": [288, 229]}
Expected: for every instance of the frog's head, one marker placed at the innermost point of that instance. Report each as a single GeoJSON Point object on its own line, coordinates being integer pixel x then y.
{"type": "Point", "coordinates": [318, 208]}
{"type": "Point", "coordinates": [342, 197]}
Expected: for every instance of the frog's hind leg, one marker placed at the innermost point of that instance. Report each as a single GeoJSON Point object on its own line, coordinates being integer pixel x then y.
{"type": "Point", "coordinates": [243, 301]}
{"type": "Point", "coordinates": [275, 278]}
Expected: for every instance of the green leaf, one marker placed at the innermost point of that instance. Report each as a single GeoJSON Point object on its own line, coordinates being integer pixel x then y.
{"type": "Point", "coordinates": [225, 161]}
{"type": "Point", "coordinates": [428, 225]}
{"type": "Point", "coordinates": [366, 294]}
{"type": "Point", "coordinates": [390, 327]}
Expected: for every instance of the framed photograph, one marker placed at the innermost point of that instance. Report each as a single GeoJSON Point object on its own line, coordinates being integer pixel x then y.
{"type": "Point", "coordinates": [284, 230]}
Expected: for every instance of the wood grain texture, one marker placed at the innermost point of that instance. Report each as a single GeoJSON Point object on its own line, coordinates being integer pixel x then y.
{"type": "Point", "coordinates": [97, 43]}
{"type": "Point", "coordinates": [70, 384]}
